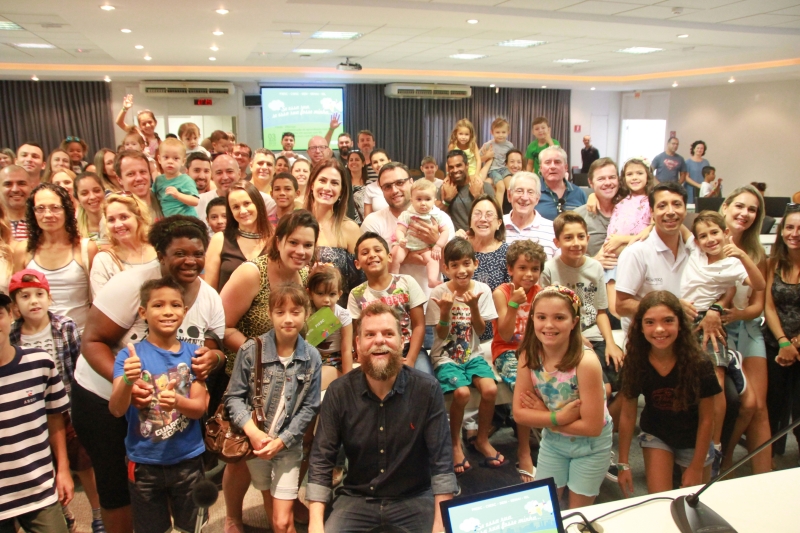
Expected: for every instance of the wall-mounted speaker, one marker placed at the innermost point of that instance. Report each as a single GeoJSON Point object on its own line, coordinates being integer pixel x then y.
{"type": "Point", "coordinates": [252, 100]}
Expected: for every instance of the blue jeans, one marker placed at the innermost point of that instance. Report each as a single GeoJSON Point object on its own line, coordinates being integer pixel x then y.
{"type": "Point", "coordinates": [353, 514]}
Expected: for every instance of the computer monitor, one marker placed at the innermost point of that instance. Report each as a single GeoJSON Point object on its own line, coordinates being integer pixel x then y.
{"type": "Point", "coordinates": [525, 508]}
{"type": "Point", "coordinates": [775, 206]}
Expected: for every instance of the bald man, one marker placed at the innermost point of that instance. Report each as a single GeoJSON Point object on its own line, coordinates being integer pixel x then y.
{"type": "Point", "coordinates": [316, 149]}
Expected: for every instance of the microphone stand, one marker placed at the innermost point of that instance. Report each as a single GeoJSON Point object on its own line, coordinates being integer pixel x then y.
{"type": "Point", "coordinates": [693, 516]}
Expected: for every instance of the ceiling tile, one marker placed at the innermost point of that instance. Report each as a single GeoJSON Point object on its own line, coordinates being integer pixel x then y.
{"type": "Point", "coordinates": [698, 4]}
{"type": "Point", "coordinates": [596, 7]}
{"type": "Point", "coordinates": [653, 12]}
{"type": "Point", "coordinates": [764, 20]}
{"type": "Point", "coordinates": [788, 11]}
{"type": "Point", "coordinates": [545, 5]}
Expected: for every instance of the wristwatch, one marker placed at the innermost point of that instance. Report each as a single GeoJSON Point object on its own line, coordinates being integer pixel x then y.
{"type": "Point", "coordinates": [623, 466]}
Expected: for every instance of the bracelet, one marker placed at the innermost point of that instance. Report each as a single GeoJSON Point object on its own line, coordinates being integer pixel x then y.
{"type": "Point", "coordinates": [553, 418]}
{"type": "Point", "coordinates": [623, 466]}
{"type": "Point", "coordinates": [444, 324]}
{"type": "Point", "coordinates": [445, 203]}
{"type": "Point", "coordinates": [783, 337]}
{"type": "Point", "coordinates": [513, 305]}
{"type": "Point", "coordinates": [126, 380]}
{"type": "Point", "coordinates": [219, 360]}
{"type": "Point", "coordinates": [718, 308]}
{"type": "Point", "coordinates": [784, 344]}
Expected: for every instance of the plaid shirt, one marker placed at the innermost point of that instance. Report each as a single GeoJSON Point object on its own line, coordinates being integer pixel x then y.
{"type": "Point", "coordinates": [66, 341]}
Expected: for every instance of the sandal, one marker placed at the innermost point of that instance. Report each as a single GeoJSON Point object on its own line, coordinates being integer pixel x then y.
{"type": "Point", "coordinates": [494, 462]}
{"type": "Point", "coordinates": [462, 464]}
{"type": "Point", "coordinates": [521, 472]}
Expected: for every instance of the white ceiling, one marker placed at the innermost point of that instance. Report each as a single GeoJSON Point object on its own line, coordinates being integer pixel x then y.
{"type": "Point", "coordinates": [409, 40]}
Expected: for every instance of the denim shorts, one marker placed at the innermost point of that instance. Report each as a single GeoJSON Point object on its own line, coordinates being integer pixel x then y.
{"type": "Point", "coordinates": [579, 463]}
{"type": "Point", "coordinates": [683, 456]}
{"type": "Point", "coordinates": [279, 475]}
{"type": "Point", "coordinates": [745, 337]}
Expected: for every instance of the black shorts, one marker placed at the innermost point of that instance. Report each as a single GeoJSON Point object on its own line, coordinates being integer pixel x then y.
{"type": "Point", "coordinates": [103, 436]}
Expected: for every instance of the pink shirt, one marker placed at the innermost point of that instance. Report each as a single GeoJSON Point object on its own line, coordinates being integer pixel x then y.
{"type": "Point", "coordinates": [631, 215]}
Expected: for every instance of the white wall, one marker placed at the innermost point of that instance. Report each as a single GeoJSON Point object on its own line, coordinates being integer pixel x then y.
{"type": "Point", "coordinates": [752, 131]}
{"type": "Point", "coordinates": [598, 114]}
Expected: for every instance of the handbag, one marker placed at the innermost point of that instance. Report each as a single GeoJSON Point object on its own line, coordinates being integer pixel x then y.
{"type": "Point", "coordinates": [229, 443]}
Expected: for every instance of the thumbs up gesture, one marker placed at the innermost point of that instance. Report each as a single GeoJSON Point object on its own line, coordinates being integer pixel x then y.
{"type": "Point", "coordinates": [168, 400]}
{"type": "Point", "coordinates": [132, 366]}
{"type": "Point", "coordinates": [518, 295]}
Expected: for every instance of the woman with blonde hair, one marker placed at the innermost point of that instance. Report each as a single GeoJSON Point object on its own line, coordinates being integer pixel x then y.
{"type": "Point", "coordinates": [104, 167]}
{"type": "Point", "coordinates": [56, 161]}
{"type": "Point", "coordinates": [127, 225]}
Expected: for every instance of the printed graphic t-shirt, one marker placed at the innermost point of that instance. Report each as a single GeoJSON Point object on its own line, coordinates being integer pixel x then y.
{"type": "Point", "coordinates": [403, 293]}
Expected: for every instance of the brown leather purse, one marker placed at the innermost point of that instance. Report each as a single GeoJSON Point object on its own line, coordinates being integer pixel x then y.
{"type": "Point", "coordinates": [229, 443]}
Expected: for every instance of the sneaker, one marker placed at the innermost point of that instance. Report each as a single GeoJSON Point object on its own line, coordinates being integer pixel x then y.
{"type": "Point", "coordinates": [715, 466]}
{"type": "Point", "coordinates": [97, 526]}
{"type": "Point", "coordinates": [613, 471]}
{"type": "Point", "coordinates": [735, 371]}
{"type": "Point", "coordinates": [72, 524]}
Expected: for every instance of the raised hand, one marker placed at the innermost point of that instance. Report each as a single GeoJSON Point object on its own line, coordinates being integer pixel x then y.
{"type": "Point", "coordinates": [445, 304]}
{"type": "Point", "coordinates": [448, 190]}
{"type": "Point", "coordinates": [335, 122]}
{"type": "Point", "coordinates": [133, 365]}
{"type": "Point", "coordinates": [518, 295]}
{"type": "Point", "coordinates": [168, 399]}
{"type": "Point", "coordinates": [731, 250]}
{"type": "Point", "coordinates": [127, 102]}
{"type": "Point", "coordinates": [471, 299]}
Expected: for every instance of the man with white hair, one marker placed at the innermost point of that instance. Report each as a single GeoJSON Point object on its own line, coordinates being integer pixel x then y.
{"type": "Point", "coordinates": [558, 194]}
{"type": "Point", "coordinates": [524, 221]}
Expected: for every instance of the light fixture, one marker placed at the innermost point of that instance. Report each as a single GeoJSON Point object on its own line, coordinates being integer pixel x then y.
{"type": "Point", "coordinates": [33, 45]}
{"type": "Point", "coordinates": [125, 30]}
{"type": "Point", "coordinates": [212, 58]}
{"type": "Point", "coordinates": [497, 90]}
{"type": "Point", "coordinates": [35, 77]}
{"type": "Point", "coordinates": [592, 89]}
{"type": "Point", "coordinates": [107, 79]}
{"type": "Point", "coordinates": [569, 61]}
{"type": "Point", "coordinates": [472, 21]}
{"type": "Point", "coordinates": [291, 33]}
{"type": "Point", "coordinates": [6, 25]}
{"type": "Point", "coordinates": [307, 51]}
{"type": "Point", "coordinates": [343, 35]}
{"type": "Point", "coordinates": [222, 11]}
{"type": "Point", "coordinates": [218, 33]}
{"type": "Point", "coordinates": [139, 47]}
{"type": "Point", "coordinates": [639, 50]}
{"type": "Point", "coordinates": [80, 50]}
{"type": "Point", "coordinates": [107, 8]}
{"type": "Point", "coordinates": [731, 80]}
{"type": "Point", "coordinates": [683, 36]}
{"type": "Point", "coordinates": [544, 86]}
{"type": "Point", "coordinates": [520, 43]}
{"type": "Point", "coordinates": [467, 56]}
{"type": "Point", "coordinates": [491, 85]}
{"type": "Point", "coordinates": [675, 84]}
{"type": "Point", "coordinates": [147, 58]}
{"type": "Point", "coordinates": [214, 48]}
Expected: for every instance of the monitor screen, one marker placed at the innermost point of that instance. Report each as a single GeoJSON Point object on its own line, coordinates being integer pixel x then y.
{"type": "Point", "coordinates": [304, 111]}
{"type": "Point", "coordinates": [526, 508]}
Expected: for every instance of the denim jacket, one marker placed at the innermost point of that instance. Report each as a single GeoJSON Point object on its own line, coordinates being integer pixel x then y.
{"type": "Point", "coordinates": [303, 382]}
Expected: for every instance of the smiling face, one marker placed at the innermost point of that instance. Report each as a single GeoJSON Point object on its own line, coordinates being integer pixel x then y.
{"type": "Point", "coordinates": [372, 258]}
{"type": "Point", "coordinates": [262, 169]}
{"type": "Point", "coordinates": [31, 158]}
{"type": "Point", "coordinates": [243, 209]}
{"type": "Point", "coordinates": [636, 178]}
{"type": "Point", "coordinates": [147, 124]}
{"type": "Point", "coordinates": [164, 312]}
{"type": "Point", "coordinates": [710, 238]}
{"type": "Point", "coordinates": [90, 195]}
{"type": "Point", "coordinates": [135, 176]}
{"type": "Point", "coordinates": [540, 131]}
{"type": "Point", "coordinates": [64, 180]}
{"type": "Point", "coordinates": [429, 170]}
{"type": "Point", "coordinates": [184, 259]}
{"type": "Point", "coordinates": [224, 172]}
{"type": "Point", "coordinates": [378, 160]}
{"type": "Point", "coordinates": [669, 210]}
{"type": "Point", "coordinates": [354, 163]}
{"type": "Point", "coordinates": [33, 303]}
{"type": "Point", "coordinates": [791, 232]}
{"type": "Point", "coordinates": [200, 172]}
{"type": "Point", "coordinates": [573, 241]}
{"type": "Point", "coordinates": [121, 223]}
{"type": "Point", "coordinates": [287, 142]}
{"type": "Point", "coordinates": [461, 272]}
{"type": "Point", "coordinates": [500, 133]}
{"type": "Point", "coordinates": [345, 143]}
{"type": "Point", "coordinates": [741, 213]}
{"type": "Point", "coordinates": [242, 156]}
{"type": "Point", "coordinates": [553, 322]}
{"type": "Point", "coordinates": [284, 193]}
{"type": "Point", "coordinates": [514, 163]}
{"type": "Point", "coordinates": [281, 166]}
{"type": "Point", "coordinates": [301, 170]}
{"type": "Point", "coordinates": [524, 196]}
{"type": "Point", "coordinates": [485, 220]}
{"type": "Point", "coordinates": [699, 150]}
{"type": "Point", "coordinates": [396, 186]}
{"type": "Point", "coordinates": [327, 187]}
{"type": "Point", "coordinates": [59, 160]}
{"type": "Point", "coordinates": [133, 141]}
{"type": "Point", "coordinates": [660, 327]}
{"type": "Point", "coordinates": [75, 151]}
{"type": "Point", "coordinates": [5, 160]}
{"type": "Point", "coordinates": [463, 136]}
{"type": "Point", "coordinates": [15, 188]}
{"type": "Point", "coordinates": [297, 249]}
{"type": "Point", "coordinates": [457, 170]}
{"type": "Point", "coordinates": [288, 319]}
{"type": "Point", "coordinates": [380, 346]}
{"type": "Point", "coordinates": [217, 218]}
{"type": "Point", "coordinates": [605, 182]}
{"type": "Point", "coordinates": [525, 272]}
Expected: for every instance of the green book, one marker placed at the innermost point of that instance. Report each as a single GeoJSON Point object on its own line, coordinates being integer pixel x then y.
{"type": "Point", "coordinates": [321, 325]}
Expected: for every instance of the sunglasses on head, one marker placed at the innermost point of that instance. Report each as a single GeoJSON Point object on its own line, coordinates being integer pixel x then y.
{"type": "Point", "coordinates": [73, 139]}
{"type": "Point", "coordinates": [792, 208]}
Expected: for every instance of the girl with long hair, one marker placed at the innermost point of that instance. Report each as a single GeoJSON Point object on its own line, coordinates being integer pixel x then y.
{"type": "Point", "coordinates": [463, 138]}
{"type": "Point", "coordinates": [56, 161]}
{"type": "Point", "coordinates": [88, 192]}
{"type": "Point", "coordinates": [104, 167]}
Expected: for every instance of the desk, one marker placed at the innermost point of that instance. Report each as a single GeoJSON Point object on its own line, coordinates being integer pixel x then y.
{"type": "Point", "coordinates": [751, 504]}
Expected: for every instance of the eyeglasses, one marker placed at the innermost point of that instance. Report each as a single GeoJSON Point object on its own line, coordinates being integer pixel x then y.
{"type": "Point", "coordinates": [54, 209]}
{"type": "Point", "coordinates": [73, 139]}
{"type": "Point", "coordinates": [489, 216]}
{"type": "Point", "coordinates": [316, 148]}
{"type": "Point", "coordinates": [525, 192]}
{"type": "Point", "coordinates": [560, 205]}
{"type": "Point", "coordinates": [386, 187]}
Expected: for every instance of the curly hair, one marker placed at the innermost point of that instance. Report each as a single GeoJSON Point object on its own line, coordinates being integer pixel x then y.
{"type": "Point", "coordinates": [163, 232]}
{"type": "Point", "coordinates": [70, 223]}
{"type": "Point", "coordinates": [689, 356]}
{"type": "Point", "coordinates": [624, 190]}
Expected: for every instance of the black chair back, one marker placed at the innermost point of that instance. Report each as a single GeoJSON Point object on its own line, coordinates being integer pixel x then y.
{"type": "Point", "coordinates": [580, 179]}
{"type": "Point", "coordinates": [708, 204]}
{"type": "Point", "coordinates": [766, 226]}
{"type": "Point", "coordinates": [775, 206]}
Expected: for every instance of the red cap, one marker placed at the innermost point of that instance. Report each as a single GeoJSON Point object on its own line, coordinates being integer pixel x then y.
{"type": "Point", "coordinates": [17, 283]}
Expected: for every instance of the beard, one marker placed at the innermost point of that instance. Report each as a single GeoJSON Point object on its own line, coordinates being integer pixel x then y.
{"type": "Point", "coordinates": [344, 152]}
{"type": "Point", "coordinates": [384, 369]}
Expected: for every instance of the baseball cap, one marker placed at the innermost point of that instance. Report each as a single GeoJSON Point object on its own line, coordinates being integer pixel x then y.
{"type": "Point", "coordinates": [40, 281]}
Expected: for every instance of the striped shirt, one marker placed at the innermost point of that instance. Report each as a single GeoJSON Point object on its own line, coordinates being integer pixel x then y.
{"type": "Point", "coordinates": [19, 230]}
{"type": "Point", "coordinates": [30, 389]}
{"type": "Point", "coordinates": [540, 230]}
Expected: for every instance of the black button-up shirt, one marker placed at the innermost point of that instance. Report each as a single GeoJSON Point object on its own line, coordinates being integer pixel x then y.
{"type": "Point", "coordinates": [396, 447]}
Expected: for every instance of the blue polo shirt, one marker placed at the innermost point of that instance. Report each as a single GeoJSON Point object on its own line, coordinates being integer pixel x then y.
{"type": "Point", "coordinates": [574, 197]}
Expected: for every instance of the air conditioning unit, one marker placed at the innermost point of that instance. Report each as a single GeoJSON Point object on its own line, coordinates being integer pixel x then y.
{"type": "Point", "coordinates": [434, 91]}
{"type": "Point", "coordinates": [186, 89]}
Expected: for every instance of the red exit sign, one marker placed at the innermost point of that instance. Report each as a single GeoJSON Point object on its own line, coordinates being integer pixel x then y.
{"type": "Point", "coordinates": [202, 101]}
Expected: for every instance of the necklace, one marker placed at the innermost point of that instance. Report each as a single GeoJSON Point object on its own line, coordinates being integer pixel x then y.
{"type": "Point", "coordinates": [249, 235]}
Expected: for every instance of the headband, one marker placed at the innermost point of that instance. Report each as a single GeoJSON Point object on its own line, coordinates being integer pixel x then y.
{"type": "Point", "coordinates": [564, 291]}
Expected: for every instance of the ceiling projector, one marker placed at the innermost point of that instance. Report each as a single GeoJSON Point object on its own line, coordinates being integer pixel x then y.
{"type": "Point", "coordinates": [347, 65]}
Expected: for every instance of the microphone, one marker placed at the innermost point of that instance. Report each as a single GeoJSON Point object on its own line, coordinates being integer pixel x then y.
{"type": "Point", "coordinates": [693, 516]}
{"type": "Point", "coordinates": [204, 495]}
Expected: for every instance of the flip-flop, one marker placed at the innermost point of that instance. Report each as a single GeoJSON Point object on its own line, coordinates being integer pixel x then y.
{"type": "Point", "coordinates": [487, 461]}
{"type": "Point", "coordinates": [462, 464]}
{"type": "Point", "coordinates": [521, 472]}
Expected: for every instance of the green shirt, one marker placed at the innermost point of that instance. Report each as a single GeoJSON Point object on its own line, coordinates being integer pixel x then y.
{"type": "Point", "coordinates": [532, 153]}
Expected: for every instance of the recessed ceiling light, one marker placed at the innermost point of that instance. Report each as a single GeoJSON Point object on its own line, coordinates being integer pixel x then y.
{"type": "Point", "coordinates": [291, 32]}
{"type": "Point", "coordinates": [731, 80]}
{"type": "Point", "coordinates": [467, 56]}
{"type": "Point", "coordinates": [307, 51]}
{"type": "Point", "coordinates": [6, 25]}
{"type": "Point", "coordinates": [675, 84]}
{"type": "Point", "coordinates": [592, 89]}
{"type": "Point", "coordinates": [125, 30]}
{"type": "Point", "coordinates": [35, 77]}
{"type": "Point", "coordinates": [139, 47]}
{"type": "Point", "coordinates": [491, 85]}
{"type": "Point", "coordinates": [544, 86]}
{"type": "Point", "coordinates": [520, 43]}
{"type": "Point", "coordinates": [218, 33]}
{"type": "Point", "coordinates": [212, 58]}
{"type": "Point", "coordinates": [107, 79]}
{"type": "Point", "coordinates": [107, 8]}
{"type": "Point", "coordinates": [472, 21]}
{"type": "Point", "coordinates": [344, 35]}
{"type": "Point", "coordinates": [147, 58]}
{"type": "Point", "coordinates": [33, 45]}
{"type": "Point", "coordinates": [80, 50]}
{"type": "Point", "coordinates": [214, 48]}
{"type": "Point", "coordinates": [222, 11]}
{"type": "Point", "coordinates": [683, 36]}
{"type": "Point", "coordinates": [569, 61]}
{"type": "Point", "coordinates": [639, 50]}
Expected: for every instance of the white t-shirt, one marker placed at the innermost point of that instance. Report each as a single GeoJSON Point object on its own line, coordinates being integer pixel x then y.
{"type": "Point", "coordinates": [119, 301]}
{"type": "Point", "coordinates": [374, 195]}
{"type": "Point", "coordinates": [706, 188]}
{"type": "Point", "coordinates": [333, 343]}
{"type": "Point", "coordinates": [588, 283]}
{"type": "Point", "coordinates": [205, 197]}
{"type": "Point", "coordinates": [384, 223]}
{"type": "Point", "coordinates": [462, 342]}
{"type": "Point", "coordinates": [704, 284]}
{"type": "Point", "coordinates": [104, 268]}
{"type": "Point", "coordinates": [280, 411]}
{"type": "Point", "coordinates": [403, 293]}
{"type": "Point", "coordinates": [648, 266]}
